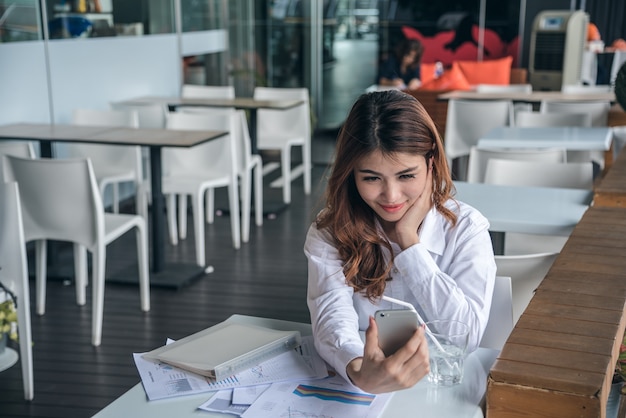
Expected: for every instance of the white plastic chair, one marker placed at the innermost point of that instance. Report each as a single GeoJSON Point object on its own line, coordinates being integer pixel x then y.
{"type": "Point", "coordinates": [478, 158]}
{"type": "Point", "coordinates": [500, 322]}
{"type": "Point", "coordinates": [599, 110]}
{"type": "Point", "coordinates": [16, 148]}
{"type": "Point", "coordinates": [14, 275]}
{"type": "Point", "coordinates": [207, 92]}
{"type": "Point", "coordinates": [530, 119]}
{"type": "Point", "coordinates": [526, 272]}
{"type": "Point", "coordinates": [199, 170]}
{"type": "Point", "coordinates": [61, 201]}
{"type": "Point", "coordinates": [280, 130]}
{"type": "Point", "coordinates": [619, 58]}
{"type": "Point", "coordinates": [584, 89]}
{"type": "Point", "coordinates": [112, 164]}
{"type": "Point", "coordinates": [150, 116]}
{"type": "Point", "coordinates": [539, 173]}
{"type": "Point", "coordinates": [467, 121]}
{"type": "Point", "coordinates": [249, 170]}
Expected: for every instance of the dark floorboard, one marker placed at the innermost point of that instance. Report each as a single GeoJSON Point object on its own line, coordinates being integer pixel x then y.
{"type": "Point", "coordinates": [266, 277]}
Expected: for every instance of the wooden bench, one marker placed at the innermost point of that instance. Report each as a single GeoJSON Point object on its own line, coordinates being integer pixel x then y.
{"type": "Point", "coordinates": [610, 190]}
{"type": "Point", "coordinates": [560, 357]}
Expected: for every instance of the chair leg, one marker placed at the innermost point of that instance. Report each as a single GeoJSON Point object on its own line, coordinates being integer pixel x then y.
{"type": "Point", "coordinates": [306, 162]}
{"type": "Point", "coordinates": [41, 254]}
{"type": "Point", "coordinates": [258, 192]}
{"type": "Point", "coordinates": [182, 216]}
{"type": "Point", "coordinates": [116, 198]}
{"type": "Point", "coordinates": [285, 161]}
{"type": "Point", "coordinates": [198, 221]}
{"type": "Point", "coordinates": [99, 261]}
{"type": "Point", "coordinates": [26, 342]}
{"type": "Point", "coordinates": [171, 218]}
{"type": "Point", "coordinates": [142, 261]}
{"type": "Point", "coordinates": [245, 191]}
{"type": "Point", "coordinates": [80, 272]}
{"type": "Point", "coordinates": [210, 205]}
{"type": "Point", "coordinates": [233, 203]}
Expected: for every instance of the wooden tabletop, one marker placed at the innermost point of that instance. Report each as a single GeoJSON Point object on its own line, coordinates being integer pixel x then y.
{"type": "Point", "coordinates": [106, 135]}
{"type": "Point", "coordinates": [611, 189]}
{"type": "Point", "coordinates": [533, 97]}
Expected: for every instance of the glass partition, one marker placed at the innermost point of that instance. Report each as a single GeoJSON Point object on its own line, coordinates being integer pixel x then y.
{"type": "Point", "coordinates": [19, 21]}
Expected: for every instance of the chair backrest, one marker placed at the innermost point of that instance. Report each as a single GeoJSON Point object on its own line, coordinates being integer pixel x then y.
{"type": "Point", "coordinates": [504, 88]}
{"type": "Point", "coordinates": [14, 274]}
{"type": "Point", "coordinates": [16, 148]}
{"type": "Point", "coordinates": [59, 197]}
{"type": "Point", "coordinates": [584, 89]}
{"type": "Point", "coordinates": [477, 164]}
{"type": "Point", "coordinates": [599, 110]}
{"type": "Point", "coordinates": [121, 156]}
{"type": "Point", "coordinates": [294, 122]}
{"type": "Point", "coordinates": [541, 174]}
{"type": "Point", "coordinates": [527, 272]}
{"type": "Point", "coordinates": [217, 155]}
{"type": "Point", "coordinates": [619, 58]}
{"type": "Point", "coordinates": [526, 119]}
{"type": "Point", "coordinates": [208, 92]}
{"type": "Point", "coordinates": [150, 115]}
{"type": "Point", "coordinates": [500, 322]}
{"type": "Point", "coordinates": [468, 120]}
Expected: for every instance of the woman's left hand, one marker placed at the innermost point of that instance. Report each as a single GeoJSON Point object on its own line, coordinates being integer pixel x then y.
{"type": "Point", "coordinates": [406, 228]}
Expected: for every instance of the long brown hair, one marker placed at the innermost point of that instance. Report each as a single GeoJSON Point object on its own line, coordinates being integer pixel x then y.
{"type": "Point", "coordinates": [390, 122]}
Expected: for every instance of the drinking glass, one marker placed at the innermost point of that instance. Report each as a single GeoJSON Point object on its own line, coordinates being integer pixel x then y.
{"type": "Point", "coordinates": [446, 357]}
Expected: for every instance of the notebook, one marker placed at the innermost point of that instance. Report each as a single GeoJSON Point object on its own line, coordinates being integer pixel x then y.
{"type": "Point", "coordinates": [222, 350]}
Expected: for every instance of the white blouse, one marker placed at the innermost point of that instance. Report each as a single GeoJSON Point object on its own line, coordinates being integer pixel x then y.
{"type": "Point", "coordinates": [449, 274]}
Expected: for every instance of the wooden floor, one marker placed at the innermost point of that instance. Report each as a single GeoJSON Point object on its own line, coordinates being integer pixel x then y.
{"type": "Point", "coordinates": [266, 277]}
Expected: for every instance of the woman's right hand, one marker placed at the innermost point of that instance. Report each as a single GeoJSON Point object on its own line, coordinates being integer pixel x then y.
{"type": "Point", "coordinates": [375, 373]}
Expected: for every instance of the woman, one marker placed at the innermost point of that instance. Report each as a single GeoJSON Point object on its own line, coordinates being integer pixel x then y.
{"type": "Point", "coordinates": [390, 227]}
{"type": "Point", "coordinates": [402, 70]}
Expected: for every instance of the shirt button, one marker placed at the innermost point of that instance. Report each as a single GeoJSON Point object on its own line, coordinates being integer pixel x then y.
{"type": "Point", "coordinates": [395, 270]}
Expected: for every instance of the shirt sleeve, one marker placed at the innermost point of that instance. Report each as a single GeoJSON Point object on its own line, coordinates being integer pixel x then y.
{"type": "Point", "coordinates": [459, 287]}
{"type": "Point", "coordinates": [333, 317]}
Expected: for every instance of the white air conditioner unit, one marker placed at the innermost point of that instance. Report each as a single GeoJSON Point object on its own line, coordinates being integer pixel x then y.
{"type": "Point", "coordinates": [557, 43]}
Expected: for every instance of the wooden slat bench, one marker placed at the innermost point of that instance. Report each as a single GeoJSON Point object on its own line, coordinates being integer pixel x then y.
{"type": "Point", "coordinates": [560, 357]}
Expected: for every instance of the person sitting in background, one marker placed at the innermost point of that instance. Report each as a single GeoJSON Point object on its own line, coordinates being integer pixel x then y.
{"type": "Point", "coordinates": [402, 69]}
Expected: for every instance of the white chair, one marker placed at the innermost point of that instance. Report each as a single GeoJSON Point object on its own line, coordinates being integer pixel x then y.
{"type": "Point", "coordinates": [539, 173]}
{"type": "Point", "coordinates": [150, 116]}
{"type": "Point", "coordinates": [467, 121]}
{"type": "Point", "coordinates": [280, 130]}
{"type": "Point", "coordinates": [584, 89]}
{"type": "Point", "coordinates": [249, 169]}
{"type": "Point", "coordinates": [526, 272]}
{"type": "Point", "coordinates": [112, 164]}
{"type": "Point", "coordinates": [22, 149]}
{"type": "Point", "coordinates": [619, 58]}
{"type": "Point", "coordinates": [207, 92]}
{"type": "Point", "coordinates": [530, 119]}
{"type": "Point", "coordinates": [500, 322]}
{"type": "Point", "coordinates": [61, 201]}
{"type": "Point", "coordinates": [14, 275]}
{"type": "Point", "coordinates": [199, 170]}
{"type": "Point", "coordinates": [478, 158]}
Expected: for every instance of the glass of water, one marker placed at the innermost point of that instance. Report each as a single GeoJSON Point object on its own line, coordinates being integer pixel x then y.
{"type": "Point", "coordinates": [446, 357]}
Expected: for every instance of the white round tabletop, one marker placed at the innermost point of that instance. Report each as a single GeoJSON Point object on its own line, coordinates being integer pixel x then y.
{"type": "Point", "coordinates": [8, 358]}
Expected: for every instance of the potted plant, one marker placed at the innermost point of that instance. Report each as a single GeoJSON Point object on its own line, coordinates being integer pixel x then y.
{"type": "Point", "coordinates": [8, 323]}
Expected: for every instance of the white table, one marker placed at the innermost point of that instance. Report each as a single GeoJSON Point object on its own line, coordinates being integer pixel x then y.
{"type": "Point", "coordinates": [568, 137]}
{"type": "Point", "coordinates": [464, 400]}
{"type": "Point", "coordinates": [531, 210]}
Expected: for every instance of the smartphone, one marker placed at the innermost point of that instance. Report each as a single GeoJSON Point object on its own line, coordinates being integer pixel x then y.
{"type": "Point", "coordinates": [395, 327]}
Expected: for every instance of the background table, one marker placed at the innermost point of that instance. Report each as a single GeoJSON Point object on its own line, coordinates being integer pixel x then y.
{"type": "Point", "coordinates": [531, 210]}
{"type": "Point", "coordinates": [245, 103]}
{"type": "Point", "coordinates": [463, 400]}
{"type": "Point", "coordinates": [172, 275]}
{"type": "Point", "coordinates": [533, 97]}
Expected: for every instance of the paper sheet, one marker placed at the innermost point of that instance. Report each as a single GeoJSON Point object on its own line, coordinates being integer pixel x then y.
{"type": "Point", "coordinates": [161, 380]}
